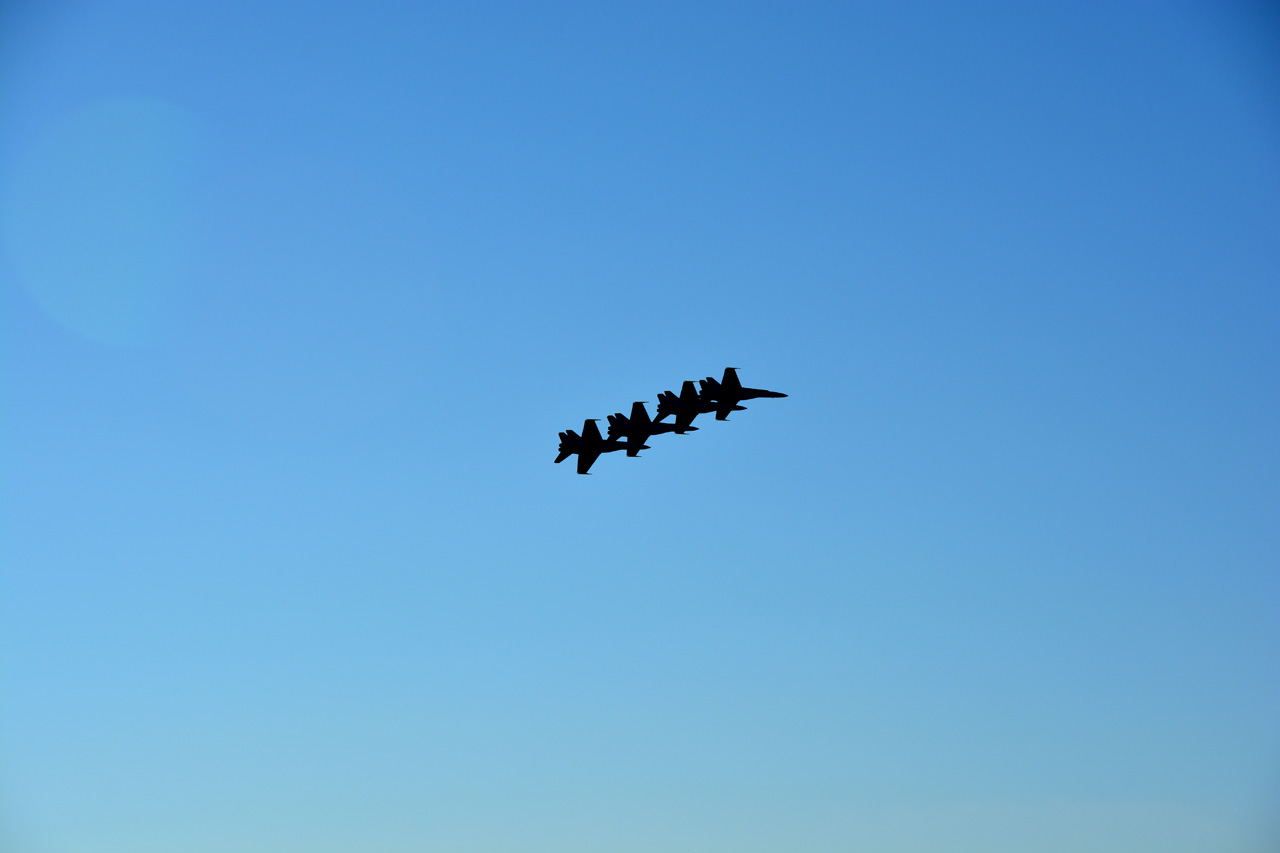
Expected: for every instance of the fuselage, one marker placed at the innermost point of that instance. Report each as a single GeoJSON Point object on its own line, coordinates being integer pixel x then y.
{"type": "Point", "coordinates": [578, 444]}
{"type": "Point", "coordinates": [737, 396]}
{"type": "Point", "coordinates": [673, 405]}
{"type": "Point", "coordinates": [643, 431]}
{"type": "Point", "coordinates": [730, 394]}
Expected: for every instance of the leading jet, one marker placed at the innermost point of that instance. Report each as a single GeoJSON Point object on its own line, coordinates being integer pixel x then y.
{"type": "Point", "coordinates": [588, 446]}
{"type": "Point", "coordinates": [686, 407]}
{"type": "Point", "coordinates": [637, 428]}
{"type": "Point", "coordinates": [728, 393]}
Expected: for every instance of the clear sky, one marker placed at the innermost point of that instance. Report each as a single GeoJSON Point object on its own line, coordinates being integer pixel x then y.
{"type": "Point", "coordinates": [296, 296]}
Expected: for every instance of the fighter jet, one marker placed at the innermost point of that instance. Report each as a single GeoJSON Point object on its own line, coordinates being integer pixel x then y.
{"type": "Point", "coordinates": [588, 446]}
{"type": "Point", "coordinates": [686, 407]}
{"type": "Point", "coordinates": [727, 394]}
{"type": "Point", "coordinates": [637, 429]}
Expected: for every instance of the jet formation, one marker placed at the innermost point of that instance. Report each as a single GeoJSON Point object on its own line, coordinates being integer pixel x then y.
{"type": "Point", "coordinates": [631, 433]}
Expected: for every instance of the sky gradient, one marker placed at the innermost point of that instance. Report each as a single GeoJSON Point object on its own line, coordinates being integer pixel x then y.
{"type": "Point", "coordinates": [295, 298]}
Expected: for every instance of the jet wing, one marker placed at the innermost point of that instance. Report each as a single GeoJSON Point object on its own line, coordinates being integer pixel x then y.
{"type": "Point", "coordinates": [585, 460]}
{"type": "Point", "coordinates": [722, 412]}
{"type": "Point", "coordinates": [635, 443]}
{"type": "Point", "coordinates": [684, 419]}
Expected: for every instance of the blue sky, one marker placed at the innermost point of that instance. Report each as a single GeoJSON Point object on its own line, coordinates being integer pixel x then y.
{"type": "Point", "coordinates": [295, 298]}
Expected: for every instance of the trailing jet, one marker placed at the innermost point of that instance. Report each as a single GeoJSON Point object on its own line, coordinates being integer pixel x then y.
{"type": "Point", "coordinates": [637, 428]}
{"type": "Point", "coordinates": [727, 394]}
{"type": "Point", "coordinates": [588, 446]}
{"type": "Point", "coordinates": [686, 407]}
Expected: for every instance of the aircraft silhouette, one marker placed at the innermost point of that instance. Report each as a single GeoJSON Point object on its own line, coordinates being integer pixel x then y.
{"type": "Point", "coordinates": [686, 407]}
{"type": "Point", "coordinates": [720, 397]}
{"type": "Point", "coordinates": [637, 429]}
{"type": "Point", "coordinates": [727, 394]}
{"type": "Point", "coordinates": [587, 446]}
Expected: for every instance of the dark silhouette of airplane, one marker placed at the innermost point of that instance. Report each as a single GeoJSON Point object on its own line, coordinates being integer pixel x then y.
{"type": "Point", "coordinates": [588, 446]}
{"type": "Point", "coordinates": [727, 394]}
{"type": "Point", "coordinates": [637, 428]}
{"type": "Point", "coordinates": [686, 407]}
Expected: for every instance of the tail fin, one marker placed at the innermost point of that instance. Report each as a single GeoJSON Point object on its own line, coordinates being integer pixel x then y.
{"type": "Point", "coordinates": [590, 431]}
{"type": "Point", "coordinates": [566, 445]}
{"type": "Point", "coordinates": [731, 378]}
{"type": "Point", "coordinates": [686, 391]}
{"type": "Point", "coordinates": [638, 415]}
